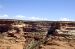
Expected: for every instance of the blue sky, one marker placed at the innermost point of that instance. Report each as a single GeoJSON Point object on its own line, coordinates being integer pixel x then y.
{"type": "Point", "coordinates": [52, 10]}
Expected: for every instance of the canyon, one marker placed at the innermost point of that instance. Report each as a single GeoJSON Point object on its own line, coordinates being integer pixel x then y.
{"type": "Point", "coordinates": [21, 34]}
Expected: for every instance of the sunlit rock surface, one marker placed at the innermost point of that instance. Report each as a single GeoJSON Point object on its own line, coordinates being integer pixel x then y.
{"type": "Point", "coordinates": [17, 34]}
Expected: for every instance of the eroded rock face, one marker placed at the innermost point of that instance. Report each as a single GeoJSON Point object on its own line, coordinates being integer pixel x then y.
{"type": "Point", "coordinates": [11, 35]}
{"type": "Point", "coordinates": [17, 34]}
{"type": "Point", "coordinates": [4, 28]}
{"type": "Point", "coordinates": [58, 43]}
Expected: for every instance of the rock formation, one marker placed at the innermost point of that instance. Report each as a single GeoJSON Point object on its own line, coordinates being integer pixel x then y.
{"type": "Point", "coordinates": [19, 34]}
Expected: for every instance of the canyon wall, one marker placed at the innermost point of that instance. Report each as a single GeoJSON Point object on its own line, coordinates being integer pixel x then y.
{"type": "Point", "coordinates": [18, 33]}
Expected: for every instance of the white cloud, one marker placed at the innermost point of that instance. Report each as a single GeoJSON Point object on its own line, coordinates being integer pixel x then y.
{"type": "Point", "coordinates": [64, 19]}
{"type": "Point", "coordinates": [32, 18]}
{"type": "Point", "coordinates": [19, 17]}
{"type": "Point", "coordinates": [36, 18]}
{"type": "Point", "coordinates": [5, 16]}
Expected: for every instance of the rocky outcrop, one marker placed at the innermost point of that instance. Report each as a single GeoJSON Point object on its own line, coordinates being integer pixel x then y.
{"type": "Point", "coordinates": [18, 33]}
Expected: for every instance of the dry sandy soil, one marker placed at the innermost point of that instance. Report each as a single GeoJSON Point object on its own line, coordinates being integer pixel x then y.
{"type": "Point", "coordinates": [11, 43]}
{"type": "Point", "coordinates": [60, 43]}
{"type": "Point", "coordinates": [54, 43]}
